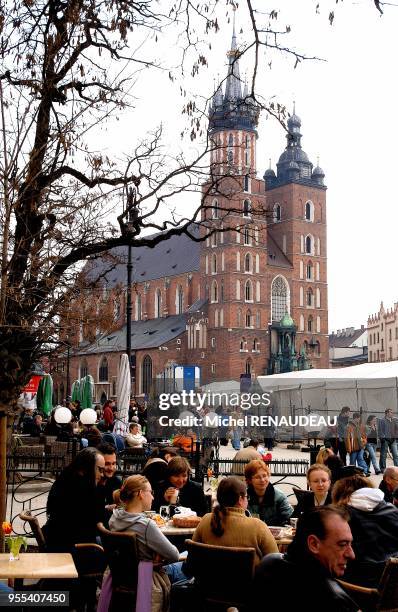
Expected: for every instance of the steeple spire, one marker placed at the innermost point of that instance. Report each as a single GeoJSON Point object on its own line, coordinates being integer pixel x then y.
{"type": "Point", "coordinates": [233, 89]}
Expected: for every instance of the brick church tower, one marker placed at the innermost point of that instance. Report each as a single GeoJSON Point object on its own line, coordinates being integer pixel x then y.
{"type": "Point", "coordinates": [265, 278]}
{"type": "Point", "coordinates": [233, 263]}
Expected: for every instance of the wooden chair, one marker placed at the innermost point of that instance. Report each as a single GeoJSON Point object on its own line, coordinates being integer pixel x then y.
{"type": "Point", "coordinates": [90, 561]}
{"type": "Point", "coordinates": [382, 599]}
{"type": "Point", "coordinates": [36, 529]}
{"type": "Point", "coordinates": [122, 558]}
{"type": "Point", "coordinates": [223, 575]}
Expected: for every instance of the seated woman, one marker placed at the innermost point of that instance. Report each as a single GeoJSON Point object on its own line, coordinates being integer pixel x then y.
{"type": "Point", "coordinates": [136, 497]}
{"type": "Point", "coordinates": [177, 486]}
{"type": "Point", "coordinates": [374, 526]}
{"type": "Point", "coordinates": [319, 481]}
{"type": "Point", "coordinates": [228, 524]}
{"type": "Point", "coordinates": [72, 504]}
{"type": "Point", "coordinates": [134, 438]}
{"type": "Point", "coordinates": [268, 503]}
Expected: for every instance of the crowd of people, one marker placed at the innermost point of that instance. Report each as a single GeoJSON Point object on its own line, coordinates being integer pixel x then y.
{"type": "Point", "coordinates": [346, 526]}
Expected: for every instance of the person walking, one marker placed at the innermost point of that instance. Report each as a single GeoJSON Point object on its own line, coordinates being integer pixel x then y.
{"type": "Point", "coordinates": [342, 422]}
{"type": "Point", "coordinates": [356, 441]}
{"type": "Point", "coordinates": [371, 444]}
{"type": "Point", "coordinates": [388, 433]}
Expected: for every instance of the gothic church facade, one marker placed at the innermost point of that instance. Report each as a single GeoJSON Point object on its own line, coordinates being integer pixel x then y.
{"type": "Point", "coordinates": [249, 299]}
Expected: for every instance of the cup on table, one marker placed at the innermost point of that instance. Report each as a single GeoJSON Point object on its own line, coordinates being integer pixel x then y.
{"type": "Point", "coordinates": [165, 512]}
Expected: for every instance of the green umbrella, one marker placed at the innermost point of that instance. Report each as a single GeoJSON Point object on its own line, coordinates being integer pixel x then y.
{"type": "Point", "coordinates": [87, 391]}
{"type": "Point", "coordinates": [76, 391]}
{"type": "Point", "coordinates": [44, 397]}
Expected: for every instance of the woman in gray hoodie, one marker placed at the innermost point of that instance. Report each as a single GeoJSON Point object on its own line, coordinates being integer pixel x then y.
{"type": "Point", "coordinates": [136, 497]}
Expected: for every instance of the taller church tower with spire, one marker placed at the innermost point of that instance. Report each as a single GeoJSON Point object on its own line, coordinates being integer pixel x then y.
{"type": "Point", "coordinates": [263, 270]}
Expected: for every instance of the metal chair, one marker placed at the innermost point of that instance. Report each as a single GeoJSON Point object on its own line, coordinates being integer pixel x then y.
{"type": "Point", "coordinates": [382, 599]}
{"type": "Point", "coordinates": [122, 557]}
{"type": "Point", "coordinates": [223, 575]}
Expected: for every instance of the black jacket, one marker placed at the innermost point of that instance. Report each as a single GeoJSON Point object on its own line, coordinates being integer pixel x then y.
{"type": "Point", "coordinates": [375, 536]}
{"type": "Point", "coordinates": [306, 502]}
{"type": "Point", "coordinates": [73, 513]}
{"type": "Point", "coordinates": [190, 496]}
{"type": "Point", "coordinates": [292, 584]}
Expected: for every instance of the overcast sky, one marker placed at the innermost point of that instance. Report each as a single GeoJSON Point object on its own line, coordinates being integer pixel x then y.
{"type": "Point", "coordinates": [348, 106]}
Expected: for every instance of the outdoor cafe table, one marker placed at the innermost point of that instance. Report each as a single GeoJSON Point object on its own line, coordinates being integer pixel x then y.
{"type": "Point", "coordinates": [177, 536]}
{"type": "Point", "coordinates": [38, 565]}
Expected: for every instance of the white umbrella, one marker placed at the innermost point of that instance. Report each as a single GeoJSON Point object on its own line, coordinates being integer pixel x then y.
{"type": "Point", "coordinates": [123, 396]}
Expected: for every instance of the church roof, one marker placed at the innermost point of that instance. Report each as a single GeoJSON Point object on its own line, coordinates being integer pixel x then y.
{"type": "Point", "coordinates": [177, 255]}
{"type": "Point", "coordinates": [144, 334]}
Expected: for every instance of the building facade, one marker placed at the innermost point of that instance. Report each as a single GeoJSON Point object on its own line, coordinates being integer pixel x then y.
{"type": "Point", "coordinates": [251, 298]}
{"type": "Point", "coordinates": [348, 347]}
{"type": "Point", "coordinates": [383, 334]}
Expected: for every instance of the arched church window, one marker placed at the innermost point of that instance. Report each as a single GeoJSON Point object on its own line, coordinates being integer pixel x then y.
{"type": "Point", "coordinates": [247, 208]}
{"type": "Point", "coordinates": [158, 303]}
{"type": "Point", "coordinates": [248, 291]}
{"type": "Point", "coordinates": [215, 209]}
{"type": "Point", "coordinates": [103, 374]}
{"type": "Point", "coordinates": [277, 213]}
{"type": "Point", "coordinates": [83, 368]}
{"type": "Point", "coordinates": [280, 298]}
{"type": "Point", "coordinates": [248, 263]}
{"type": "Point", "coordinates": [309, 211]}
{"type": "Point", "coordinates": [309, 245]}
{"type": "Point", "coordinates": [179, 300]}
{"type": "Point", "coordinates": [246, 237]}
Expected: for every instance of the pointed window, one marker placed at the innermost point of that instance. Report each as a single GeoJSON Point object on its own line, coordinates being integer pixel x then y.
{"type": "Point", "coordinates": [214, 292]}
{"type": "Point", "coordinates": [249, 319]}
{"type": "Point", "coordinates": [248, 263]}
{"type": "Point", "coordinates": [280, 298]}
{"type": "Point", "coordinates": [247, 208]}
{"type": "Point", "coordinates": [246, 183]}
{"type": "Point", "coordinates": [248, 291]}
{"type": "Point", "coordinates": [309, 245]}
{"type": "Point", "coordinates": [103, 370]}
{"type": "Point", "coordinates": [246, 237]}
{"type": "Point", "coordinates": [158, 304]}
{"type": "Point", "coordinates": [179, 300]}
{"type": "Point", "coordinates": [215, 209]}
{"type": "Point", "coordinates": [277, 213]}
{"type": "Point", "coordinates": [309, 211]}
{"type": "Point", "coordinates": [214, 264]}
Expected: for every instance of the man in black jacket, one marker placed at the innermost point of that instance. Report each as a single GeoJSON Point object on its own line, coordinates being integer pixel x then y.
{"type": "Point", "coordinates": [306, 574]}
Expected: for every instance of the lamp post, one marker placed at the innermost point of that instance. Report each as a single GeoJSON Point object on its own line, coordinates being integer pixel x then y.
{"type": "Point", "coordinates": [132, 215]}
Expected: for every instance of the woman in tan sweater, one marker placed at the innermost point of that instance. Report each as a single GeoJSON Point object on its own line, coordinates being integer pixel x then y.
{"type": "Point", "coordinates": [228, 524]}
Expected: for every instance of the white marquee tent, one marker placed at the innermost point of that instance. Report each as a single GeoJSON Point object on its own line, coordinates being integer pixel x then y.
{"type": "Point", "coordinates": [369, 388]}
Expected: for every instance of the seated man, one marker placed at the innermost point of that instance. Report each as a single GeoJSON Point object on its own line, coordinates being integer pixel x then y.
{"type": "Point", "coordinates": [108, 483]}
{"type": "Point", "coordinates": [305, 576]}
{"type": "Point", "coordinates": [389, 483]}
{"type": "Point", "coordinates": [249, 452]}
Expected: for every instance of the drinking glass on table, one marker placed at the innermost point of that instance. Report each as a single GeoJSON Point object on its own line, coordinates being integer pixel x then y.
{"type": "Point", "coordinates": [165, 512]}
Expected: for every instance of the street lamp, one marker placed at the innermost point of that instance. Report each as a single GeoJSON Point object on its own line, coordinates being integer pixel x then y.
{"type": "Point", "coordinates": [132, 215]}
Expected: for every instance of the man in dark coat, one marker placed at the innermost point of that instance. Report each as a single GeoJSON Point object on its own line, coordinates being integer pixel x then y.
{"type": "Point", "coordinates": [317, 556]}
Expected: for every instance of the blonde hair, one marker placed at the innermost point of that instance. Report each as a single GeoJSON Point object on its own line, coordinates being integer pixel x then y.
{"type": "Point", "coordinates": [131, 487]}
{"type": "Point", "coordinates": [318, 466]}
{"type": "Point", "coordinates": [323, 454]}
